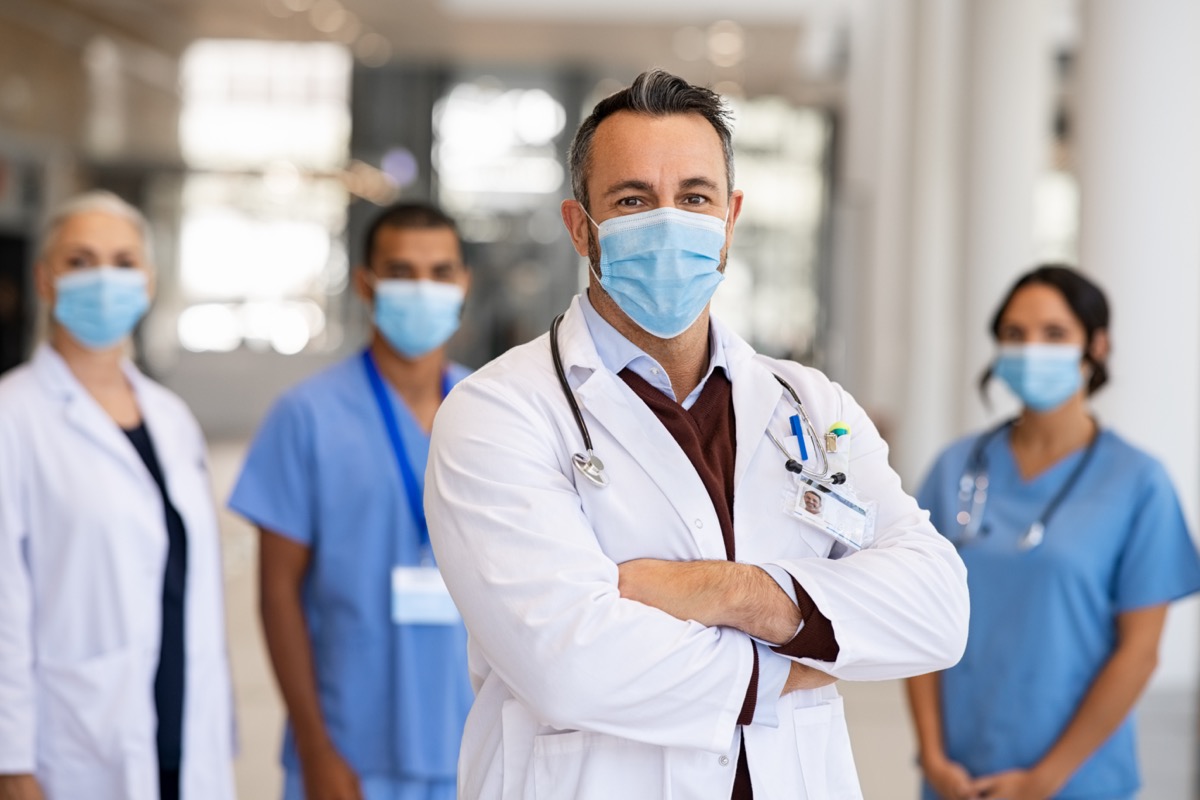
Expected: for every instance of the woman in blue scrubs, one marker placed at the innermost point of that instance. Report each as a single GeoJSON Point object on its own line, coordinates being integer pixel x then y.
{"type": "Point", "coordinates": [1074, 543]}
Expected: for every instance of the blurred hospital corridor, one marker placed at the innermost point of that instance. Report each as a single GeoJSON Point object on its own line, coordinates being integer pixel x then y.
{"type": "Point", "coordinates": [319, 217]}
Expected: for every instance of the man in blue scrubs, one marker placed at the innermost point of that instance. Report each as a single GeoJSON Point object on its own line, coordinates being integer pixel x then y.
{"type": "Point", "coordinates": [369, 652]}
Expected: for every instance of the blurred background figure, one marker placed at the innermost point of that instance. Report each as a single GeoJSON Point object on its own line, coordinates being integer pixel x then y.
{"type": "Point", "coordinates": [906, 160]}
{"type": "Point", "coordinates": [1074, 542]}
{"type": "Point", "coordinates": [114, 680]}
{"type": "Point", "coordinates": [368, 650]}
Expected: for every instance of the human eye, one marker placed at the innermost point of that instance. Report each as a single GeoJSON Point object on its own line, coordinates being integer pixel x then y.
{"type": "Point", "coordinates": [1011, 334]}
{"type": "Point", "coordinates": [1056, 333]}
{"type": "Point", "coordinates": [393, 272]}
{"type": "Point", "coordinates": [630, 201]}
{"type": "Point", "coordinates": [80, 260]}
{"type": "Point", "coordinates": [696, 200]}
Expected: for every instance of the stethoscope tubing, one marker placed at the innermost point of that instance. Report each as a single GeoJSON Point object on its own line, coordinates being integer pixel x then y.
{"type": "Point", "coordinates": [591, 467]}
{"type": "Point", "coordinates": [976, 481]}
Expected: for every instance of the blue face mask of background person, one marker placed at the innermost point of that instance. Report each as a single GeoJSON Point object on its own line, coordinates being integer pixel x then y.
{"type": "Point", "coordinates": [1043, 376]}
{"type": "Point", "coordinates": [661, 267]}
{"type": "Point", "coordinates": [417, 316]}
{"type": "Point", "coordinates": [100, 306]}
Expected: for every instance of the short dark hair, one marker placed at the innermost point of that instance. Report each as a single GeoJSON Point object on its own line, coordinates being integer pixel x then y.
{"type": "Point", "coordinates": [657, 93]}
{"type": "Point", "coordinates": [1086, 301]}
{"type": "Point", "coordinates": [409, 214]}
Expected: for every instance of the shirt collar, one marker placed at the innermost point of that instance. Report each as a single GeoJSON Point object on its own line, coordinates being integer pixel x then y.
{"type": "Point", "coordinates": [618, 353]}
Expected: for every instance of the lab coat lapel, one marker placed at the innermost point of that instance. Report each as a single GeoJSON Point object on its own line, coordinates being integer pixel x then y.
{"type": "Point", "coordinates": [613, 406]}
{"type": "Point", "coordinates": [756, 400]}
{"type": "Point", "coordinates": [83, 413]}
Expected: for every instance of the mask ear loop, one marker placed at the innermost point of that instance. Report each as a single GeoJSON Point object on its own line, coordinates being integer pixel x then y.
{"type": "Point", "coordinates": [592, 268]}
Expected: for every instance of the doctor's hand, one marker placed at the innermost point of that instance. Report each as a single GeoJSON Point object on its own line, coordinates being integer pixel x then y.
{"type": "Point", "coordinates": [19, 787]}
{"type": "Point", "coordinates": [712, 593]}
{"type": "Point", "coordinates": [949, 779]}
{"type": "Point", "coordinates": [327, 776]}
{"type": "Point", "coordinates": [802, 676]}
{"type": "Point", "coordinates": [1016, 784]}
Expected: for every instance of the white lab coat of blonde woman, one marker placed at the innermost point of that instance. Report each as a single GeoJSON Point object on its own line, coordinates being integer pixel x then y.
{"type": "Point", "coordinates": [83, 547]}
{"type": "Point", "coordinates": [584, 694]}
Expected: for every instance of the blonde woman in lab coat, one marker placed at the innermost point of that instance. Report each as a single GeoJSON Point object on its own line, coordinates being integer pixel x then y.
{"type": "Point", "coordinates": [114, 680]}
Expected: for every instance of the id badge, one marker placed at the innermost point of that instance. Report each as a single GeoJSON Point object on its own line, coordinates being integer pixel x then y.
{"type": "Point", "coordinates": [419, 597]}
{"type": "Point", "coordinates": [838, 511]}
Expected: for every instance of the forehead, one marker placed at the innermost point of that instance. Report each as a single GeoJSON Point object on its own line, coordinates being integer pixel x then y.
{"type": "Point", "coordinates": [416, 244]}
{"type": "Point", "coordinates": [1036, 302]}
{"type": "Point", "coordinates": [656, 149]}
{"type": "Point", "coordinates": [98, 230]}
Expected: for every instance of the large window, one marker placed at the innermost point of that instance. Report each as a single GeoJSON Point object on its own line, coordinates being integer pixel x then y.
{"type": "Point", "coordinates": [770, 292]}
{"type": "Point", "coordinates": [265, 135]}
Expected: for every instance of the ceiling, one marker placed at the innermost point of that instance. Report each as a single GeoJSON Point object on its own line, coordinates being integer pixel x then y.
{"type": "Point", "coordinates": [785, 47]}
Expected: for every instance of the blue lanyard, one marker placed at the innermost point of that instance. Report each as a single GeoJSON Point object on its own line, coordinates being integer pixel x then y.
{"type": "Point", "coordinates": [412, 489]}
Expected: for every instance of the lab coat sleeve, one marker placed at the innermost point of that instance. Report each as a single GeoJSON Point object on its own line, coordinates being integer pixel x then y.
{"type": "Point", "coordinates": [898, 607]}
{"type": "Point", "coordinates": [17, 708]}
{"type": "Point", "coordinates": [540, 598]}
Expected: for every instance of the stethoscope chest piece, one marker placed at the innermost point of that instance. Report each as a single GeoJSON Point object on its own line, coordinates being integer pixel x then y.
{"type": "Point", "coordinates": [591, 467]}
{"type": "Point", "coordinates": [1032, 537]}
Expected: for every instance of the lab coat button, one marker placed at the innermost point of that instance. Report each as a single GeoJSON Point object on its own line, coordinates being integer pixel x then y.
{"type": "Point", "coordinates": [723, 761]}
{"type": "Point", "coordinates": [699, 523]}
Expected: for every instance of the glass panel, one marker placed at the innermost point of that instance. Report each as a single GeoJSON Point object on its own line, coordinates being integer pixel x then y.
{"type": "Point", "coordinates": [265, 132]}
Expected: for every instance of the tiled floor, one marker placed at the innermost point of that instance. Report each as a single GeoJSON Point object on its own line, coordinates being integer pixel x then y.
{"type": "Point", "coordinates": [878, 718]}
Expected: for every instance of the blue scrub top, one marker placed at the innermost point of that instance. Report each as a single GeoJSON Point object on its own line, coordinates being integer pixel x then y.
{"type": "Point", "coordinates": [1043, 620]}
{"type": "Point", "coordinates": [321, 471]}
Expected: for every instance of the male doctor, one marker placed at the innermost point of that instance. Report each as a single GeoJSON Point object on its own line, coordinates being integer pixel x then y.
{"type": "Point", "coordinates": [668, 623]}
{"type": "Point", "coordinates": [373, 672]}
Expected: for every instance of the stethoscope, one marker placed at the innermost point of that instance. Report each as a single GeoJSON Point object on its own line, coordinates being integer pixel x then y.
{"type": "Point", "coordinates": [592, 468]}
{"type": "Point", "coordinates": [973, 491]}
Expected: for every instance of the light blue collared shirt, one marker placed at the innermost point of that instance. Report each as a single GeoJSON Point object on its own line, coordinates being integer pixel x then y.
{"type": "Point", "coordinates": [618, 353]}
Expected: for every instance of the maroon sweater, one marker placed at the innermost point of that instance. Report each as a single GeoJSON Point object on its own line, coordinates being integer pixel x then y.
{"type": "Point", "coordinates": [707, 434]}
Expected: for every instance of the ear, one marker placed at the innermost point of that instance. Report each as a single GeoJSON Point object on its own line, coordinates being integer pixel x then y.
{"type": "Point", "coordinates": [362, 285]}
{"type": "Point", "coordinates": [1100, 347]}
{"type": "Point", "coordinates": [735, 211]}
{"type": "Point", "coordinates": [577, 223]}
{"type": "Point", "coordinates": [43, 281]}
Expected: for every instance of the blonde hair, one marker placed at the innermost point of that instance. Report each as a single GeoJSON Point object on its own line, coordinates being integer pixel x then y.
{"type": "Point", "coordinates": [96, 200]}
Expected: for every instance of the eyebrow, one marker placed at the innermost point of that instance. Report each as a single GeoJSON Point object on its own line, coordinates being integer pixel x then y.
{"type": "Point", "coordinates": [641, 186]}
{"type": "Point", "coordinates": [644, 186]}
{"type": "Point", "coordinates": [698, 183]}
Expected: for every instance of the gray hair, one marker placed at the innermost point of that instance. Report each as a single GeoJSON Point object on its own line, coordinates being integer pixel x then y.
{"type": "Point", "coordinates": [96, 200]}
{"type": "Point", "coordinates": [658, 93]}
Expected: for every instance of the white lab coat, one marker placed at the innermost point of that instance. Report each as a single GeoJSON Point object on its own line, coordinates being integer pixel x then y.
{"type": "Point", "coordinates": [83, 546]}
{"type": "Point", "coordinates": [584, 695]}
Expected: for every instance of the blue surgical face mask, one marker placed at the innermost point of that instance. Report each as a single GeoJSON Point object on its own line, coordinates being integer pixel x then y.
{"type": "Point", "coordinates": [417, 316]}
{"type": "Point", "coordinates": [100, 305]}
{"type": "Point", "coordinates": [661, 267]}
{"type": "Point", "coordinates": [1043, 376]}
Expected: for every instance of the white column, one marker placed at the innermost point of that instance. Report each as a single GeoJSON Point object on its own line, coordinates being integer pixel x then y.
{"type": "Point", "coordinates": [846, 340]}
{"type": "Point", "coordinates": [867, 317]}
{"type": "Point", "coordinates": [1007, 134]}
{"type": "Point", "coordinates": [932, 390]}
{"type": "Point", "coordinates": [1139, 132]}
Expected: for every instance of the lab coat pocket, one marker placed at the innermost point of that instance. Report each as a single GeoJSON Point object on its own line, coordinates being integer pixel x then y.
{"type": "Point", "coordinates": [818, 541]}
{"type": "Point", "coordinates": [581, 765]}
{"type": "Point", "coordinates": [97, 727]}
{"type": "Point", "coordinates": [823, 744]}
